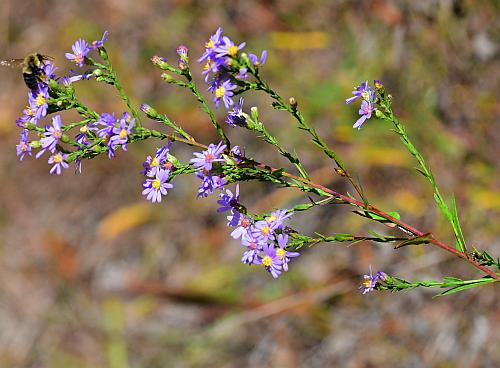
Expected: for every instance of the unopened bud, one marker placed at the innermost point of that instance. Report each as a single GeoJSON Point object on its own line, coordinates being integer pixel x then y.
{"type": "Point", "coordinates": [167, 77]}
{"type": "Point", "coordinates": [254, 111]}
{"type": "Point", "coordinates": [160, 62]}
{"type": "Point", "coordinates": [379, 114]}
{"type": "Point", "coordinates": [293, 102]}
{"type": "Point", "coordinates": [148, 110]}
{"type": "Point", "coordinates": [97, 72]}
{"type": "Point", "coordinates": [340, 171]}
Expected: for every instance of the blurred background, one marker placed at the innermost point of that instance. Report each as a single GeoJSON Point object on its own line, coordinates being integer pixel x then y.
{"type": "Point", "coordinates": [92, 275]}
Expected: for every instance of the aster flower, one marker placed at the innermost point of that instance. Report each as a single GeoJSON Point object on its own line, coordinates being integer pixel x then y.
{"type": "Point", "coordinates": [228, 48]}
{"type": "Point", "coordinates": [209, 183]}
{"type": "Point", "coordinates": [212, 66]}
{"type": "Point", "coordinates": [213, 42]}
{"type": "Point", "coordinates": [275, 220]}
{"type": "Point", "coordinates": [159, 162]}
{"type": "Point", "coordinates": [270, 260]}
{"type": "Point", "coordinates": [236, 117]}
{"type": "Point", "coordinates": [365, 111]}
{"type": "Point", "coordinates": [364, 91]}
{"type": "Point", "coordinates": [120, 134]}
{"type": "Point", "coordinates": [108, 122]}
{"type": "Point", "coordinates": [97, 44]}
{"type": "Point", "coordinates": [155, 188]}
{"type": "Point", "coordinates": [82, 137]}
{"type": "Point", "coordinates": [263, 230]}
{"type": "Point", "coordinates": [78, 165]}
{"type": "Point", "coordinates": [51, 136]}
{"type": "Point", "coordinates": [236, 150]}
{"type": "Point", "coordinates": [242, 222]}
{"type": "Point", "coordinates": [205, 159]}
{"type": "Point", "coordinates": [229, 200]}
{"type": "Point", "coordinates": [378, 84]}
{"type": "Point", "coordinates": [58, 159]}
{"type": "Point", "coordinates": [283, 253]}
{"type": "Point", "coordinates": [80, 50]}
{"type": "Point", "coordinates": [253, 247]}
{"type": "Point", "coordinates": [68, 80]}
{"type": "Point", "coordinates": [255, 60]}
{"type": "Point", "coordinates": [28, 116]}
{"type": "Point", "coordinates": [48, 71]}
{"type": "Point", "coordinates": [23, 147]}
{"type": "Point", "coordinates": [38, 101]}
{"type": "Point", "coordinates": [224, 92]}
{"type": "Point", "coordinates": [370, 281]}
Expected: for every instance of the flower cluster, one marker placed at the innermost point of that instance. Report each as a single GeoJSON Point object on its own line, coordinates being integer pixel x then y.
{"type": "Point", "coordinates": [205, 162]}
{"type": "Point", "coordinates": [368, 97]}
{"type": "Point", "coordinates": [265, 241]}
{"type": "Point", "coordinates": [370, 281]}
{"type": "Point", "coordinates": [157, 171]}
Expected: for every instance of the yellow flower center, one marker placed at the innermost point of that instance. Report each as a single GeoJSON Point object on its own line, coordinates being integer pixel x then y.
{"type": "Point", "coordinates": [233, 50]}
{"type": "Point", "coordinates": [57, 158]}
{"type": "Point", "coordinates": [57, 134]}
{"type": "Point", "coordinates": [83, 129]}
{"type": "Point", "coordinates": [271, 219]}
{"type": "Point", "coordinates": [154, 162]}
{"type": "Point", "coordinates": [265, 230]}
{"type": "Point", "coordinates": [24, 147]}
{"type": "Point", "coordinates": [40, 100]}
{"type": "Point", "coordinates": [29, 112]}
{"type": "Point", "coordinates": [267, 261]}
{"type": "Point", "coordinates": [79, 59]}
{"type": "Point", "coordinates": [156, 184]}
{"type": "Point", "coordinates": [123, 134]}
{"type": "Point", "coordinates": [219, 92]}
{"type": "Point", "coordinates": [209, 44]}
{"type": "Point", "coordinates": [367, 283]}
{"type": "Point", "coordinates": [366, 95]}
{"type": "Point", "coordinates": [280, 252]}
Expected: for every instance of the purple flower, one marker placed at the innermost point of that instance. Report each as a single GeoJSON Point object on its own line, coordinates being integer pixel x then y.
{"type": "Point", "coordinates": [263, 230]}
{"type": "Point", "coordinates": [182, 51]}
{"type": "Point", "coordinates": [275, 220]}
{"type": "Point", "coordinates": [211, 66]}
{"type": "Point", "coordinates": [80, 50]}
{"type": "Point", "coordinates": [155, 188]}
{"type": "Point", "coordinates": [68, 80]}
{"type": "Point", "coordinates": [254, 247]}
{"type": "Point", "coordinates": [159, 162]}
{"type": "Point", "coordinates": [120, 134]}
{"type": "Point", "coordinates": [228, 48]}
{"type": "Point", "coordinates": [97, 44]}
{"type": "Point", "coordinates": [229, 200]}
{"type": "Point", "coordinates": [255, 60]}
{"type": "Point", "coordinates": [364, 91]}
{"type": "Point", "coordinates": [370, 281]}
{"type": "Point", "coordinates": [81, 137]}
{"type": "Point", "coordinates": [237, 117]}
{"type": "Point", "coordinates": [48, 71]}
{"type": "Point", "coordinates": [270, 260]}
{"type": "Point", "coordinates": [51, 136]}
{"type": "Point", "coordinates": [78, 165]}
{"type": "Point", "coordinates": [58, 159]}
{"type": "Point", "coordinates": [205, 159]}
{"type": "Point", "coordinates": [23, 147]}
{"type": "Point", "coordinates": [38, 101]}
{"type": "Point", "coordinates": [236, 150]}
{"type": "Point", "coordinates": [242, 222]}
{"type": "Point", "coordinates": [378, 84]}
{"type": "Point", "coordinates": [209, 183]}
{"type": "Point", "coordinates": [108, 121]}
{"type": "Point", "coordinates": [366, 113]}
{"type": "Point", "coordinates": [224, 91]}
{"type": "Point", "coordinates": [213, 42]}
{"type": "Point", "coordinates": [29, 116]}
{"type": "Point", "coordinates": [283, 253]}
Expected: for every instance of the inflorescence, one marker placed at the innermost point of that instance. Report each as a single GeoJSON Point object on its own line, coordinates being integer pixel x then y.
{"type": "Point", "coordinates": [229, 72]}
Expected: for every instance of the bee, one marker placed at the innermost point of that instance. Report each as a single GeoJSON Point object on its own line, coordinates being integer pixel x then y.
{"type": "Point", "coordinates": [32, 68]}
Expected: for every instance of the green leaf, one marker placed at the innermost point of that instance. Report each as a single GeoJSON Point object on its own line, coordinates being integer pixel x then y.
{"type": "Point", "coordinates": [458, 288]}
{"type": "Point", "coordinates": [424, 239]}
{"type": "Point", "coordinates": [456, 227]}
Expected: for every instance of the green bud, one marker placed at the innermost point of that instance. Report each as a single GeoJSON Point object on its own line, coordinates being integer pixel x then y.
{"type": "Point", "coordinates": [168, 78]}
{"type": "Point", "coordinates": [379, 114]}
{"type": "Point", "coordinates": [35, 144]}
{"type": "Point", "coordinates": [97, 72]}
{"type": "Point", "coordinates": [149, 111]}
{"type": "Point", "coordinates": [254, 113]}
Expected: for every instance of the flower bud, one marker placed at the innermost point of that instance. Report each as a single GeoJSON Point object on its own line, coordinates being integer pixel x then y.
{"type": "Point", "coordinates": [97, 72]}
{"type": "Point", "coordinates": [293, 102]}
{"type": "Point", "coordinates": [167, 78]}
{"type": "Point", "coordinates": [254, 112]}
{"type": "Point", "coordinates": [149, 111]}
{"type": "Point", "coordinates": [379, 114]}
{"type": "Point", "coordinates": [160, 62]}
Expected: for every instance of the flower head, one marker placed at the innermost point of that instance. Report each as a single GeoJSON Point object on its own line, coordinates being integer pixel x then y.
{"type": "Point", "coordinates": [23, 147]}
{"type": "Point", "coordinates": [224, 92]}
{"type": "Point", "coordinates": [209, 183]}
{"type": "Point", "coordinates": [213, 42]}
{"type": "Point", "coordinates": [228, 48]}
{"type": "Point", "coordinates": [120, 134]}
{"type": "Point", "coordinates": [97, 44]}
{"type": "Point", "coordinates": [155, 187]}
{"type": "Point", "coordinates": [236, 117]}
{"type": "Point", "coordinates": [283, 253]}
{"type": "Point", "coordinates": [229, 200]}
{"type": "Point", "coordinates": [58, 159]}
{"type": "Point", "coordinates": [205, 159]}
{"type": "Point", "coordinates": [108, 122]}
{"type": "Point", "coordinates": [255, 60]}
{"type": "Point", "coordinates": [363, 91]}
{"type": "Point", "coordinates": [270, 260]}
{"type": "Point", "coordinates": [263, 230]}
{"type": "Point", "coordinates": [80, 50]}
{"type": "Point", "coordinates": [370, 281]}
{"type": "Point", "coordinates": [242, 222]}
{"type": "Point", "coordinates": [365, 111]}
{"type": "Point", "coordinates": [275, 220]}
{"type": "Point", "coordinates": [253, 247]}
{"type": "Point", "coordinates": [159, 162]}
{"type": "Point", "coordinates": [38, 101]}
{"type": "Point", "coordinates": [51, 136]}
